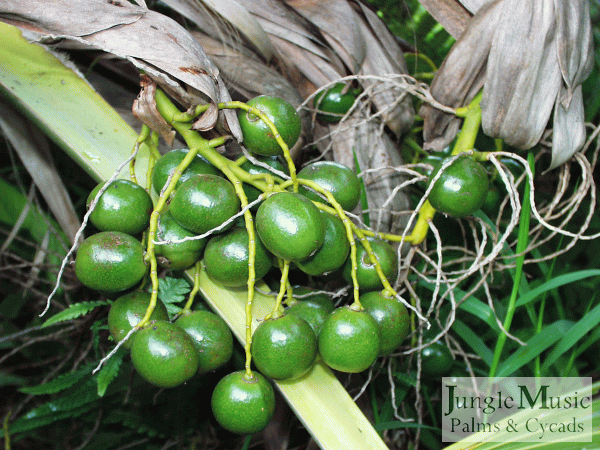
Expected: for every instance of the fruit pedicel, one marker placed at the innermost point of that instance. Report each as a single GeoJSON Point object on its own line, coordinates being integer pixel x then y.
{"type": "Point", "coordinates": [240, 219]}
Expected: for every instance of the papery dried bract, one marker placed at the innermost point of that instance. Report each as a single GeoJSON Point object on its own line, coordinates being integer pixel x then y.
{"type": "Point", "coordinates": [154, 43]}
{"type": "Point", "coordinates": [540, 51]}
{"type": "Point", "coordinates": [144, 109]}
{"type": "Point", "coordinates": [459, 79]}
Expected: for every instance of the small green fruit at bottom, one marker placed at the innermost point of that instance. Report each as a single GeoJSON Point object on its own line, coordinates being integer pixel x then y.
{"type": "Point", "coordinates": [436, 360]}
{"type": "Point", "coordinates": [334, 251]}
{"type": "Point", "coordinates": [211, 336]}
{"type": "Point", "coordinates": [392, 319]}
{"type": "Point", "coordinates": [204, 202]}
{"type": "Point", "coordinates": [227, 254]}
{"type": "Point", "coordinates": [284, 348]}
{"type": "Point", "coordinates": [314, 308]}
{"type": "Point", "coordinates": [176, 256]}
{"type": "Point", "coordinates": [349, 340]}
{"type": "Point", "coordinates": [334, 102]}
{"type": "Point", "coordinates": [168, 162]}
{"type": "Point", "coordinates": [251, 192]}
{"type": "Point", "coordinates": [124, 206]}
{"type": "Point", "coordinates": [338, 179]}
{"type": "Point", "coordinates": [290, 226]}
{"type": "Point", "coordinates": [258, 137]}
{"type": "Point", "coordinates": [110, 261]}
{"type": "Point", "coordinates": [243, 405]}
{"type": "Point", "coordinates": [128, 310]}
{"type": "Point", "coordinates": [163, 354]}
{"type": "Point", "coordinates": [461, 189]}
{"type": "Point", "coordinates": [366, 273]}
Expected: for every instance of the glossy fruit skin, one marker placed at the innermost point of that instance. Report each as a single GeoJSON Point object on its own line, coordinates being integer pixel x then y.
{"type": "Point", "coordinates": [273, 161]}
{"type": "Point", "coordinates": [461, 189]}
{"type": "Point", "coordinates": [176, 256]}
{"type": "Point", "coordinates": [392, 319]}
{"type": "Point", "coordinates": [436, 360]}
{"type": "Point", "coordinates": [204, 202]}
{"type": "Point", "coordinates": [211, 337]}
{"type": "Point", "coordinates": [258, 137]}
{"type": "Point", "coordinates": [128, 310]}
{"type": "Point", "coordinates": [284, 348]}
{"type": "Point", "coordinates": [334, 251]}
{"type": "Point", "coordinates": [243, 406]}
{"type": "Point", "coordinates": [349, 340]}
{"type": "Point", "coordinates": [290, 226]}
{"type": "Point", "coordinates": [334, 177]}
{"type": "Point", "coordinates": [366, 274]}
{"type": "Point", "coordinates": [110, 261]}
{"type": "Point", "coordinates": [226, 258]}
{"type": "Point", "coordinates": [314, 308]}
{"type": "Point", "coordinates": [163, 354]}
{"type": "Point", "coordinates": [335, 101]}
{"type": "Point", "coordinates": [124, 206]}
{"type": "Point", "coordinates": [168, 162]}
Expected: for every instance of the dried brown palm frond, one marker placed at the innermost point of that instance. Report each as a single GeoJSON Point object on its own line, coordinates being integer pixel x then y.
{"type": "Point", "coordinates": [338, 26]}
{"type": "Point", "coordinates": [174, 59]}
{"type": "Point", "coordinates": [225, 19]}
{"type": "Point", "coordinates": [385, 57]}
{"type": "Point", "coordinates": [33, 149]}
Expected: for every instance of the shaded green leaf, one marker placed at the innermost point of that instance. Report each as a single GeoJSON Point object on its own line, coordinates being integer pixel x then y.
{"type": "Point", "coordinates": [60, 383]}
{"type": "Point", "coordinates": [535, 346]}
{"type": "Point", "coordinates": [70, 404]}
{"type": "Point", "coordinates": [73, 312]}
{"type": "Point", "coordinates": [556, 282]}
{"type": "Point", "coordinates": [577, 331]}
{"type": "Point", "coordinates": [110, 371]}
{"type": "Point", "coordinates": [171, 291]}
{"type": "Point", "coordinates": [474, 341]}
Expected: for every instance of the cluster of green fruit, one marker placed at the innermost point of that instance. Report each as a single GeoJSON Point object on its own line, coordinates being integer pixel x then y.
{"type": "Point", "coordinates": [300, 225]}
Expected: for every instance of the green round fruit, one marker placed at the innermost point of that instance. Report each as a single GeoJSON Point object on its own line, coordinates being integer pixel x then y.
{"type": "Point", "coordinates": [284, 348]}
{"type": "Point", "coordinates": [128, 310]}
{"type": "Point", "coordinates": [163, 354]}
{"type": "Point", "coordinates": [176, 256]}
{"type": "Point", "coordinates": [211, 336]}
{"type": "Point", "coordinates": [349, 340]}
{"type": "Point", "coordinates": [227, 254]}
{"type": "Point", "coordinates": [110, 261]}
{"type": "Point", "coordinates": [290, 226]}
{"type": "Point", "coordinates": [314, 308]}
{"type": "Point", "coordinates": [204, 202]}
{"type": "Point", "coordinates": [461, 188]}
{"type": "Point", "coordinates": [334, 251]}
{"type": "Point", "coordinates": [124, 206]}
{"type": "Point", "coordinates": [243, 405]}
{"type": "Point", "coordinates": [334, 177]}
{"type": "Point", "coordinates": [258, 137]}
{"type": "Point", "coordinates": [333, 103]}
{"type": "Point", "coordinates": [368, 280]}
{"type": "Point", "coordinates": [168, 162]}
{"type": "Point", "coordinates": [436, 360]}
{"type": "Point", "coordinates": [251, 192]}
{"type": "Point", "coordinates": [391, 317]}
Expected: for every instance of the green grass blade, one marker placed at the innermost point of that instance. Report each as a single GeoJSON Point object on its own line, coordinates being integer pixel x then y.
{"type": "Point", "coordinates": [474, 341]}
{"type": "Point", "coordinates": [575, 333]}
{"type": "Point", "coordinates": [535, 346]}
{"type": "Point", "coordinates": [556, 282]}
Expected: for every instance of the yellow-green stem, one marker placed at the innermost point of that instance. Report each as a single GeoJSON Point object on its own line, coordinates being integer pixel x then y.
{"type": "Point", "coordinates": [195, 288]}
